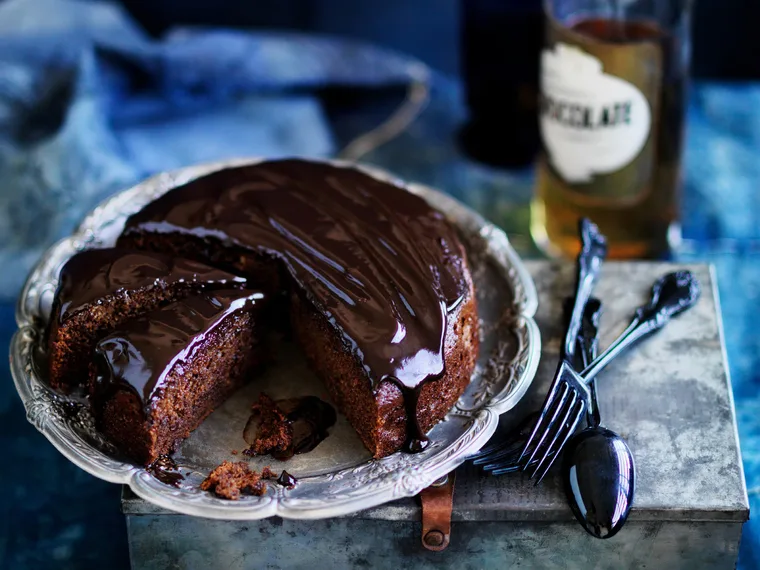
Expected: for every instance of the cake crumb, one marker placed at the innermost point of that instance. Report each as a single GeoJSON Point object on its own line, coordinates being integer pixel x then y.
{"type": "Point", "coordinates": [234, 452]}
{"type": "Point", "coordinates": [273, 432]}
{"type": "Point", "coordinates": [267, 473]}
{"type": "Point", "coordinates": [229, 480]}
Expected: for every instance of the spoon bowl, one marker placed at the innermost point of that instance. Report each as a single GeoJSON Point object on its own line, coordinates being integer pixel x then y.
{"type": "Point", "coordinates": [599, 477]}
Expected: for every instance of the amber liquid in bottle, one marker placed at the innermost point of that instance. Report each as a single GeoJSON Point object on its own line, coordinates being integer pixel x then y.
{"type": "Point", "coordinates": [637, 205]}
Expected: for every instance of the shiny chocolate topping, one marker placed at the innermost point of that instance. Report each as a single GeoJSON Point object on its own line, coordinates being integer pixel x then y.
{"type": "Point", "coordinates": [165, 470]}
{"type": "Point", "coordinates": [287, 480]}
{"type": "Point", "coordinates": [378, 261]}
{"type": "Point", "coordinates": [141, 354]}
{"type": "Point", "coordinates": [310, 419]}
{"type": "Point", "coordinates": [96, 273]}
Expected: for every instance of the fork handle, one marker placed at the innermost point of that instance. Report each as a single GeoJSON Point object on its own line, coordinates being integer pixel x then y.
{"type": "Point", "coordinates": [672, 294]}
{"type": "Point", "coordinates": [593, 251]}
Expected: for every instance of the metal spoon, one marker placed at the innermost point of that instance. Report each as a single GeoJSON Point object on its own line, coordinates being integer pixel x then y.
{"type": "Point", "coordinates": [597, 469]}
{"type": "Point", "coordinates": [600, 479]}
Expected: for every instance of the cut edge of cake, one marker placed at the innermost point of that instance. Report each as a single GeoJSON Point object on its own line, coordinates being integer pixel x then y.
{"type": "Point", "coordinates": [219, 358]}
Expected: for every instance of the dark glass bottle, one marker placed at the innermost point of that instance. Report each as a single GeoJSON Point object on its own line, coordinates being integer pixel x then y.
{"type": "Point", "coordinates": [613, 110]}
{"type": "Point", "coordinates": [501, 46]}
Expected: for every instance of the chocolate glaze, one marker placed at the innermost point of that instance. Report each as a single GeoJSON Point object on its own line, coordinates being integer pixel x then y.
{"type": "Point", "coordinates": [416, 440]}
{"type": "Point", "coordinates": [165, 470]}
{"type": "Point", "coordinates": [376, 260]}
{"type": "Point", "coordinates": [306, 419]}
{"type": "Point", "coordinates": [287, 480]}
{"type": "Point", "coordinates": [96, 273]}
{"type": "Point", "coordinates": [143, 352]}
{"type": "Point", "coordinates": [310, 419]}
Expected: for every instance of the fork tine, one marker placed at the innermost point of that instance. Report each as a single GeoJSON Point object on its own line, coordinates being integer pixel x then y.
{"type": "Point", "coordinates": [508, 457]}
{"type": "Point", "coordinates": [514, 437]}
{"type": "Point", "coordinates": [489, 449]}
{"type": "Point", "coordinates": [508, 468]}
{"type": "Point", "coordinates": [550, 399]}
{"type": "Point", "coordinates": [559, 448]}
{"type": "Point", "coordinates": [505, 470]}
{"type": "Point", "coordinates": [506, 462]}
{"type": "Point", "coordinates": [508, 448]}
{"type": "Point", "coordinates": [552, 422]}
{"type": "Point", "coordinates": [555, 433]}
{"type": "Point", "coordinates": [505, 457]}
{"type": "Point", "coordinates": [492, 446]}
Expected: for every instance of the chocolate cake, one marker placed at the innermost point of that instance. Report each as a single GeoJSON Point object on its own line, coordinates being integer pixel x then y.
{"type": "Point", "coordinates": [100, 289]}
{"type": "Point", "coordinates": [158, 376]}
{"type": "Point", "coordinates": [288, 427]}
{"type": "Point", "coordinates": [376, 281]}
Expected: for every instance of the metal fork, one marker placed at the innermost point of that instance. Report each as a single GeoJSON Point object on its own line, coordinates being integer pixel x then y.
{"type": "Point", "coordinates": [592, 253]}
{"type": "Point", "coordinates": [569, 396]}
{"type": "Point", "coordinates": [588, 264]}
{"type": "Point", "coordinates": [501, 456]}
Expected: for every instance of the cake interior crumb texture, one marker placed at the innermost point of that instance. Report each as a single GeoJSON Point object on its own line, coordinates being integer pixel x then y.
{"type": "Point", "coordinates": [273, 432]}
{"type": "Point", "coordinates": [231, 480]}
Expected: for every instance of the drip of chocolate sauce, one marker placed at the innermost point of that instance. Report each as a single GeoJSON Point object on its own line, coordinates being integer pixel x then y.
{"type": "Point", "coordinates": [165, 470]}
{"type": "Point", "coordinates": [381, 265]}
{"type": "Point", "coordinates": [416, 440]}
{"type": "Point", "coordinates": [287, 480]}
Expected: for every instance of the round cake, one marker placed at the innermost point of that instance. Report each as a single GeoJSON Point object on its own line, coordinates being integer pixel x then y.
{"type": "Point", "coordinates": [374, 282]}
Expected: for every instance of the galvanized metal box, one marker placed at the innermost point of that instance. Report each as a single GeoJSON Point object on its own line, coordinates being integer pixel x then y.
{"type": "Point", "coordinates": [670, 398]}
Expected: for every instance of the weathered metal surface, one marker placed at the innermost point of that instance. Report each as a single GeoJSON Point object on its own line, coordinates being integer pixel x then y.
{"type": "Point", "coordinates": [158, 542]}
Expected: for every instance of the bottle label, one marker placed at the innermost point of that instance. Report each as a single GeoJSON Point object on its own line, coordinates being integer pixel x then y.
{"type": "Point", "coordinates": [598, 111]}
{"type": "Point", "coordinates": [591, 122]}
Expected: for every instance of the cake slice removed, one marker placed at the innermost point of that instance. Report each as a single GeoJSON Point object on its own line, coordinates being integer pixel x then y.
{"type": "Point", "coordinates": [156, 378]}
{"type": "Point", "coordinates": [100, 289]}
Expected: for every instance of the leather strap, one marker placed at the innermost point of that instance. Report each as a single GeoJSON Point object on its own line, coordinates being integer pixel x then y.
{"type": "Point", "coordinates": [437, 502]}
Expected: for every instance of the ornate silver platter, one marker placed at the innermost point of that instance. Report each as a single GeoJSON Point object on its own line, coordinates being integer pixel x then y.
{"type": "Point", "coordinates": [338, 477]}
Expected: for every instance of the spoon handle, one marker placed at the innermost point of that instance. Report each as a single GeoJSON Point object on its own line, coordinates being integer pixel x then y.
{"type": "Point", "coordinates": [587, 346]}
{"type": "Point", "coordinates": [589, 349]}
{"type": "Point", "coordinates": [593, 251]}
{"type": "Point", "coordinates": [672, 294]}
